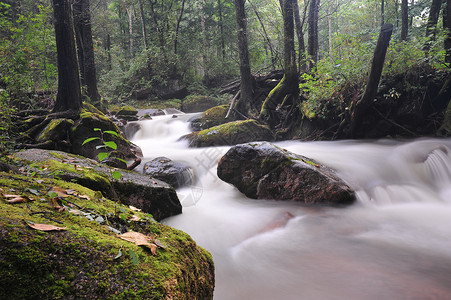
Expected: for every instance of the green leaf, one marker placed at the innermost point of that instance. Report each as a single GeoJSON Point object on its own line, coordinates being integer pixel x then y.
{"type": "Point", "coordinates": [102, 156]}
{"type": "Point", "coordinates": [116, 175]}
{"type": "Point", "coordinates": [122, 160]}
{"type": "Point", "coordinates": [134, 257]}
{"type": "Point", "coordinates": [111, 132]}
{"type": "Point", "coordinates": [111, 144]}
{"type": "Point", "coordinates": [90, 140]}
{"type": "Point", "coordinates": [97, 129]}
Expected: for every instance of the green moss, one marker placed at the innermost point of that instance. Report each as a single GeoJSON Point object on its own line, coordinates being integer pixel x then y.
{"type": "Point", "coordinates": [79, 262]}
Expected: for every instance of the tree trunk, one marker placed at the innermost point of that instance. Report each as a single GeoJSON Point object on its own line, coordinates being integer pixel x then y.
{"type": "Point", "coordinates": [221, 30]}
{"type": "Point", "coordinates": [143, 24]}
{"type": "Point", "coordinates": [204, 40]}
{"type": "Point", "coordinates": [177, 27]}
{"type": "Point", "coordinates": [313, 33]}
{"type": "Point", "coordinates": [86, 62]}
{"type": "Point", "coordinates": [246, 87]}
{"type": "Point", "coordinates": [447, 26]}
{"type": "Point", "coordinates": [404, 19]}
{"type": "Point", "coordinates": [69, 91]}
{"type": "Point", "coordinates": [300, 34]}
{"type": "Point", "coordinates": [431, 27]}
{"type": "Point", "coordinates": [329, 23]}
{"type": "Point", "coordinates": [159, 30]}
{"type": "Point", "coordinates": [375, 75]}
{"type": "Point", "coordinates": [382, 12]}
{"type": "Point", "coordinates": [268, 40]}
{"type": "Point", "coordinates": [130, 12]}
{"type": "Point", "coordinates": [288, 87]}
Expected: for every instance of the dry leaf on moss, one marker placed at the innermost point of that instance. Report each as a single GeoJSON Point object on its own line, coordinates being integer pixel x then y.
{"type": "Point", "coordinates": [16, 198]}
{"type": "Point", "coordinates": [140, 240]}
{"type": "Point", "coordinates": [45, 227]}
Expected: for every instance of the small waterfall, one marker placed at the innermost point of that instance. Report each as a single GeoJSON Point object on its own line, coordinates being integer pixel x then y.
{"type": "Point", "coordinates": [394, 243]}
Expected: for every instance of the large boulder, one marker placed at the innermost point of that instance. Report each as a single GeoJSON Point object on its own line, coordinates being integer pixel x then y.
{"type": "Point", "coordinates": [83, 256]}
{"type": "Point", "coordinates": [265, 171]}
{"type": "Point", "coordinates": [149, 194]}
{"type": "Point", "coordinates": [231, 133]}
{"type": "Point", "coordinates": [211, 117]}
{"type": "Point", "coordinates": [175, 173]}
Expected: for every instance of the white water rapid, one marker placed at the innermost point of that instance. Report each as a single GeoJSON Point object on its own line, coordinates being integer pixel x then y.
{"type": "Point", "coordinates": [394, 243]}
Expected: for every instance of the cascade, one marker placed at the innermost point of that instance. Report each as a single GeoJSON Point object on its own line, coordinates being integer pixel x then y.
{"type": "Point", "coordinates": [394, 242]}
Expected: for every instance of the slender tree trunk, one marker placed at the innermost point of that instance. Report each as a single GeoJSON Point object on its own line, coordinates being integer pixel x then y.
{"type": "Point", "coordinates": [300, 34]}
{"type": "Point", "coordinates": [268, 40]}
{"type": "Point", "coordinates": [313, 33]}
{"type": "Point", "coordinates": [204, 39]}
{"type": "Point", "coordinates": [85, 46]}
{"type": "Point", "coordinates": [130, 12]}
{"type": "Point", "coordinates": [329, 23]}
{"type": "Point", "coordinates": [447, 25]}
{"type": "Point", "coordinates": [159, 30]}
{"type": "Point", "coordinates": [434, 12]}
{"type": "Point", "coordinates": [288, 87]}
{"type": "Point", "coordinates": [143, 24]}
{"type": "Point", "coordinates": [382, 12]}
{"type": "Point", "coordinates": [246, 87]}
{"type": "Point", "coordinates": [375, 74]}
{"type": "Point", "coordinates": [177, 27]}
{"type": "Point", "coordinates": [69, 91]}
{"type": "Point", "coordinates": [405, 19]}
{"type": "Point", "coordinates": [221, 30]}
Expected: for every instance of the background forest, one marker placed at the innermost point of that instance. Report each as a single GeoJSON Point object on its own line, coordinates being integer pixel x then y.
{"type": "Point", "coordinates": [155, 45]}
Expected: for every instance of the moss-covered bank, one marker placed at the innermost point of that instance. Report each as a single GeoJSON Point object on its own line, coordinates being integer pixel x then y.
{"type": "Point", "coordinates": [88, 260]}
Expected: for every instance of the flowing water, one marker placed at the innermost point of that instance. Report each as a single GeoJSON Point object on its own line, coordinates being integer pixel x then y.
{"type": "Point", "coordinates": [394, 243]}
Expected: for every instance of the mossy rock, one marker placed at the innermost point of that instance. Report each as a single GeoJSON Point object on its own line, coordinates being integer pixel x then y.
{"type": "Point", "coordinates": [231, 133]}
{"type": "Point", "coordinates": [84, 129]}
{"type": "Point", "coordinates": [88, 259]}
{"type": "Point", "coordinates": [132, 188]}
{"type": "Point", "coordinates": [56, 130]}
{"type": "Point", "coordinates": [198, 103]}
{"type": "Point", "coordinates": [211, 117]}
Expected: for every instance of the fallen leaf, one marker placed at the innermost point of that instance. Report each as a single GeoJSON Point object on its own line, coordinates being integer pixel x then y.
{"type": "Point", "coordinates": [119, 254]}
{"type": "Point", "coordinates": [59, 191]}
{"type": "Point", "coordinates": [45, 227]}
{"type": "Point", "coordinates": [16, 199]}
{"type": "Point", "coordinates": [135, 218]}
{"type": "Point", "coordinates": [139, 239]}
{"type": "Point", "coordinates": [70, 192]}
{"type": "Point", "coordinates": [159, 244]}
{"type": "Point", "coordinates": [134, 208]}
{"type": "Point", "coordinates": [84, 197]}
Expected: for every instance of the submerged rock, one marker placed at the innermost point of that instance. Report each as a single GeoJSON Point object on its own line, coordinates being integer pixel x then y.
{"type": "Point", "coordinates": [265, 171]}
{"type": "Point", "coordinates": [149, 194]}
{"type": "Point", "coordinates": [231, 133]}
{"type": "Point", "coordinates": [172, 172]}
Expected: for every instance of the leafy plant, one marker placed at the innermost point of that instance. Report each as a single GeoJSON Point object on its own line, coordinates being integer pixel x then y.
{"type": "Point", "coordinates": [107, 145]}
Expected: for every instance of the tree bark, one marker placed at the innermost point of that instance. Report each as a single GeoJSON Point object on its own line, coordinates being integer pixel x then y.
{"type": "Point", "coordinates": [313, 33]}
{"type": "Point", "coordinates": [246, 86]}
{"type": "Point", "coordinates": [447, 26]}
{"type": "Point", "coordinates": [404, 19]}
{"type": "Point", "coordinates": [431, 27]}
{"type": "Point", "coordinates": [382, 12]}
{"type": "Point", "coordinates": [143, 24]}
{"type": "Point", "coordinates": [177, 27]}
{"type": "Point", "coordinates": [268, 40]}
{"type": "Point", "coordinates": [300, 34]}
{"type": "Point", "coordinates": [288, 87]}
{"type": "Point", "coordinates": [130, 11]}
{"type": "Point", "coordinates": [221, 29]}
{"type": "Point", "coordinates": [69, 92]}
{"type": "Point", "coordinates": [85, 46]}
{"type": "Point", "coordinates": [375, 75]}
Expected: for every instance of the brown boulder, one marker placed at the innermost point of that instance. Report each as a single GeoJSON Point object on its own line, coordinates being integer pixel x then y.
{"type": "Point", "coordinates": [265, 171]}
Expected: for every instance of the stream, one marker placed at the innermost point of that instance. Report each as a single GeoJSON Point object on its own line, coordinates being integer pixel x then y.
{"type": "Point", "coordinates": [393, 243]}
